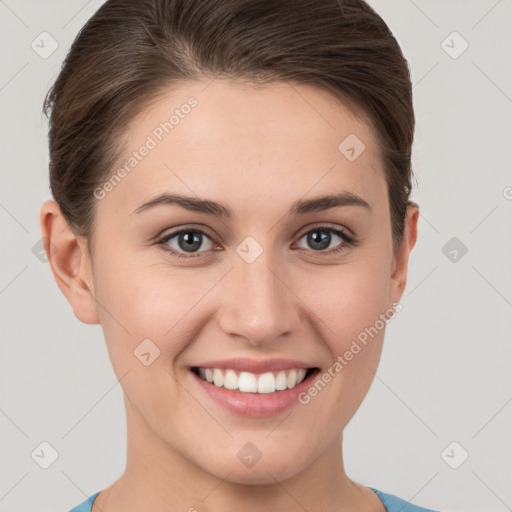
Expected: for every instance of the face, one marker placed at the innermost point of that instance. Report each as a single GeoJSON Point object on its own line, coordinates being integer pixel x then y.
{"type": "Point", "coordinates": [265, 284]}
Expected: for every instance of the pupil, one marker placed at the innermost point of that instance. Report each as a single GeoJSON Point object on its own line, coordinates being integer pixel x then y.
{"type": "Point", "coordinates": [191, 238]}
{"type": "Point", "coordinates": [318, 242]}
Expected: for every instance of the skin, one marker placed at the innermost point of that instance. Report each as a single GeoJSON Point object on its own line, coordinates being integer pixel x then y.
{"type": "Point", "coordinates": [256, 150]}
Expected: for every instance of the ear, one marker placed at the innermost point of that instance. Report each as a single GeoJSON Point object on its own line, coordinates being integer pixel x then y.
{"type": "Point", "coordinates": [69, 261]}
{"type": "Point", "coordinates": [401, 256]}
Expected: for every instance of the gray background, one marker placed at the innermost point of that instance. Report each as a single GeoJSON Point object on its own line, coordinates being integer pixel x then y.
{"type": "Point", "coordinates": [445, 371]}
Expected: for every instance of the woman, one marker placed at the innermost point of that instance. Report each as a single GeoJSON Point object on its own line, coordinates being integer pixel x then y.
{"type": "Point", "coordinates": [232, 187]}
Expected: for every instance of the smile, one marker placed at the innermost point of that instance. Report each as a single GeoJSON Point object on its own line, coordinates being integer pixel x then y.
{"type": "Point", "coordinates": [247, 382]}
{"type": "Point", "coordinates": [254, 388]}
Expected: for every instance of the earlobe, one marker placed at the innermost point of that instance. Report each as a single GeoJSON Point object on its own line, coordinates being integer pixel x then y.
{"type": "Point", "coordinates": [69, 261]}
{"type": "Point", "coordinates": [401, 257]}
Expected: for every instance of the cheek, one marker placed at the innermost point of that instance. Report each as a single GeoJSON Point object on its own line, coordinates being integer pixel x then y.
{"type": "Point", "coordinates": [350, 304]}
{"type": "Point", "coordinates": [148, 320]}
{"type": "Point", "coordinates": [150, 302]}
{"type": "Point", "coordinates": [348, 299]}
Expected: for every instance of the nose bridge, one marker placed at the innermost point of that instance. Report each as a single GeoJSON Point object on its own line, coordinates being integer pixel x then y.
{"type": "Point", "coordinates": [257, 303]}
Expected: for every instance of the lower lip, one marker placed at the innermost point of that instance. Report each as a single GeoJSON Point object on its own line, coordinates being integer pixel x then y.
{"type": "Point", "coordinates": [254, 404]}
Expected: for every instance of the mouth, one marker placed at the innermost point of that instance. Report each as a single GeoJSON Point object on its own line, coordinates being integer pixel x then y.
{"type": "Point", "coordinates": [248, 382]}
{"type": "Point", "coordinates": [256, 393]}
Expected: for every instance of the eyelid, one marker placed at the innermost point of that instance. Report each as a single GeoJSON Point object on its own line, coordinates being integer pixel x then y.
{"type": "Point", "coordinates": [164, 238]}
{"type": "Point", "coordinates": [169, 233]}
{"type": "Point", "coordinates": [348, 239]}
{"type": "Point", "coordinates": [335, 227]}
{"type": "Point", "coordinates": [206, 231]}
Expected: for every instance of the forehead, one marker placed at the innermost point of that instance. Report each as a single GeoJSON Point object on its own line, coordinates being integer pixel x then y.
{"type": "Point", "coordinates": [234, 142]}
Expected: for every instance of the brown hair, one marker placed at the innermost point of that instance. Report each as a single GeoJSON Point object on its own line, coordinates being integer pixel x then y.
{"type": "Point", "coordinates": [129, 52]}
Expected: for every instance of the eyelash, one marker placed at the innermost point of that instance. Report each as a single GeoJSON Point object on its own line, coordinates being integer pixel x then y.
{"type": "Point", "coordinates": [348, 241]}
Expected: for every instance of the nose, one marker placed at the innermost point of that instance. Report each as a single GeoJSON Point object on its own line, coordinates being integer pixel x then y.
{"type": "Point", "coordinates": [258, 304]}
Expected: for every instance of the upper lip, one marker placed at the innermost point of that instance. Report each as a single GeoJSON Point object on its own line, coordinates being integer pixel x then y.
{"type": "Point", "coordinates": [256, 366]}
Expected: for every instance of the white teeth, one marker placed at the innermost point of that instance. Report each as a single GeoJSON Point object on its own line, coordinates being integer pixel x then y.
{"type": "Point", "coordinates": [218, 377]}
{"type": "Point", "coordinates": [291, 379]}
{"type": "Point", "coordinates": [281, 381]}
{"type": "Point", "coordinates": [248, 382]}
{"type": "Point", "coordinates": [231, 380]}
{"type": "Point", "coordinates": [266, 383]}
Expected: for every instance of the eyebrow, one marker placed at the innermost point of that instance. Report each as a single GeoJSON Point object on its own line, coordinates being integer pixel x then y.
{"type": "Point", "coordinates": [208, 207]}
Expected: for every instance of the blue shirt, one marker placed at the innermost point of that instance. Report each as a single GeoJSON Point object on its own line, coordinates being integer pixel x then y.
{"type": "Point", "coordinates": [391, 504]}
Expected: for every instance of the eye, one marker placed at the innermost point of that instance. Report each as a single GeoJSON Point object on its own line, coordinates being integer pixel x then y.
{"type": "Point", "coordinates": [188, 240]}
{"type": "Point", "coordinates": [321, 237]}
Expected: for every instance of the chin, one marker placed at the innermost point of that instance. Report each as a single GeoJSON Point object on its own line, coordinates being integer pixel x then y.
{"type": "Point", "coordinates": [273, 468]}
{"type": "Point", "coordinates": [261, 474]}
